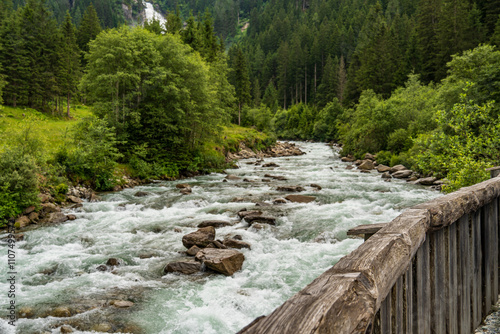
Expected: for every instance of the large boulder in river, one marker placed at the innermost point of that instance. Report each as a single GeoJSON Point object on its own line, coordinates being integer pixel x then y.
{"type": "Point", "coordinates": [187, 267]}
{"type": "Point", "coordinates": [300, 198]}
{"type": "Point", "coordinates": [366, 165]}
{"type": "Point", "coordinates": [224, 261]}
{"type": "Point", "coordinates": [214, 223]}
{"type": "Point", "coordinates": [201, 238]}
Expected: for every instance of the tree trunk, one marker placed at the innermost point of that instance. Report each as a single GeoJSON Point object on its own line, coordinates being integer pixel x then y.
{"type": "Point", "coordinates": [239, 113]}
{"type": "Point", "coordinates": [68, 106]}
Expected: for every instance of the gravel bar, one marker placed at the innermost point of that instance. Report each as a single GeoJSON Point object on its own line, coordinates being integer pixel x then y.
{"type": "Point", "coordinates": [491, 324]}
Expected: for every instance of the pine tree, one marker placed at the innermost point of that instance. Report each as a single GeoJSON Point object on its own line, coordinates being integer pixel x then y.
{"type": "Point", "coordinates": [88, 30]}
{"type": "Point", "coordinates": [342, 84]}
{"type": "Point", "coordinates": [174, 22]}
{"type": "Point", "coordinates": [13, 57]}
{"type": "Point", "coordinates": [240, 80]}
{"type": "Point", "coordinates": [428, 13]}
{"type": "Point", "coordinates": [69, 69]}
{"type": "Point", "coordinates": [256, 93]}
{"type": "Point", "coordinates": [328, 89]}
{"type": "Point", "coordinates": [191, 35]}
{"type": "Point", "coordinates": [495, 38]}
{"type": "Point", "coordinates": [270, 98]}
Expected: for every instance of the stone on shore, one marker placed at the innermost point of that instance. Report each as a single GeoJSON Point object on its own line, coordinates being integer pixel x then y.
{"type": "Point", "coordinates": [402, 174]}
{"type": "Point", "coordinates": [383, 168]}
{"type": "Point", "coordinates": [366, 165]}
{"type": "Point", "coordinates": [386, 175]}
{"type": "Point", "coordinates": [300, 198]}
{"type": "Point", "coordinates": [426, 181]}
{"type": "Point", "coordinates": [74, 199]}
{"type": "Point", "coordinates": [397, 168]}
{"type": "Point", "coordinates": [22, 221]}
{"type": "Point", "coordinates": [201, 238]}
{"type": "Point", "coordinates": [369, 156]}
{"type": "Point", "coordinates": [186, 267]}
{"type": "Point", "coordinates": [224, 261]}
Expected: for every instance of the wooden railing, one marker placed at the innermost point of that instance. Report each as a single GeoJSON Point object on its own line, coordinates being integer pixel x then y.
{"type": "Point", "coordinates": [433, 269]}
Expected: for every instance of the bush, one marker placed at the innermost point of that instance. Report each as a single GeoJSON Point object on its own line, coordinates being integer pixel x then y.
{"type": "Point", "coordinates": [18, 183]}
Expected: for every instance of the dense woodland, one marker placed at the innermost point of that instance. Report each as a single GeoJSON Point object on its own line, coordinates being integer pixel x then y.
{"type": "Point", "coordinates": [416, 82]}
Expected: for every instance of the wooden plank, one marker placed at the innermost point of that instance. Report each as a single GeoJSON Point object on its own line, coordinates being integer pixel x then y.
{"type": "Point", "coordinates": [486, 269]}
{"type": "Point", "coordinates": [385, 315]}
{"type": "Point", "coordinates": [494, 244]}
{"type": "Point", "coordinates": [408, 287]}
{"type": "Point", "coordinates": [452, 321]}
{"type": "Point", "coordinates": [464, 280]}
{"type": "Point", "coordinates": [366, 229]}
{"type": "Point", "coordinates": [332, 303]}
{"type": "Point", "coordinates": [476, 292]}
{"type": "Point", "coordinates": [438, 261]}
{"type": "Point", "coordinates": [398, 307]}
{"type": "Point", "coordinates": [423, 289]}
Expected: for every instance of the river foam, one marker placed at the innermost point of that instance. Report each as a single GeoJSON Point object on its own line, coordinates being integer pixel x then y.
{"type": "Point", "coordinates": [57, 264]}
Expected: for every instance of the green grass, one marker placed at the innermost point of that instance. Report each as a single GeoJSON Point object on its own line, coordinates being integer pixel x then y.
{"type": "Point", "coordinates": [52, 131]}
{"type": "Point", "coordinates": [232, 135]}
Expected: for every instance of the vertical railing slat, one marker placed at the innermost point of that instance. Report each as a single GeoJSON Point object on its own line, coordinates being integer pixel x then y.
{"type": "Point", "coordinates": [464, 280]}
{"type": "Point", "coordinates": [494, 250]}
{"type": "Point", "coordinates": [423, 289]}
{"type": "Point", "coordinates": [476, 299]}
{"type": "Point", "coordinates": [408, 287]}
{"type": "Point", "coordinates": [399, 309]}
{"type": "Point", "coordinates": [438, 287]}
{"type": "Point", "coordinates": [486, 269]}
{"type": "Point", "coordinates": [452, 279]}
{"type": "Point", "coordinates": [385, 315]}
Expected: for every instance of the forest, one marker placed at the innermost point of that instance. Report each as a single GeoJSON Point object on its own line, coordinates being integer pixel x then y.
{"type": "Point", "coordinates": [415, 82]}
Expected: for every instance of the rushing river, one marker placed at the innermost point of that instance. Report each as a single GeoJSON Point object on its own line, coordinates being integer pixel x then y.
{"type": "Point", "coordinates": [57, 265]}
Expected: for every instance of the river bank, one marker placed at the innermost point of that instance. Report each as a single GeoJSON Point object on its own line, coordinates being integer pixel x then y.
{"type": "Point", "coordinates": [61, 285]}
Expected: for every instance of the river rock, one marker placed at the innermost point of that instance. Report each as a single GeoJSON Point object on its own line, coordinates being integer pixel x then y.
{"type": "Point", "coordinates": [28, 210]}
{"type": "Point", "coordinates": [224, 261]}
{"type": "Point", "coordinates": [219, 244]}
{"type": "Point", "coordinates": [349, 167]}
{"type": "Point", "coordinates": [71, 217]}
{"type": "Point", "coordinates": [121, 303]}
{"type": "Point", "coordinates": [317, 186]}
{"type": "Point", "coordinates": [279, 201]}
{"type": "Point", "coordinates": [232, 243]}
{"type": "Point", "coordinates": [113, 261]}
{"type": "Point", "coordinates": [186, 191]}
{"type": "Point", "coordinates": [25, 312]}
{"type": "Point", "coordinates": [369, 156]}
{"type": "Point", "coordinates": [49, 208]}
{"type": "Point", "coordinates": [66, 329]}
{"type": "Point", "coordinates": [290, 188]}
{"type": "Point", "coordinates": [347, 159]}
{"type": "Point", "coordinates": [141, 194]}
{"type": "Point", "coordinates": [426, 181]}
{"type": "Point", "coordinates": [386, 175]}
{"type": "Point", "coordinates": [74, 199]}
{"type": "Point", "coordinates": [383, 168]}
{"type": "Point", "coordinates": [262, 204]}
{"type": "Point", "coordinates": [214, 223]}
{"type": "Point", "coordinates": [186, 267]}
{"type": "Point", "coordinates": [102, 327]}
{"type": "Point", "coordinates": [33, 217]}
{"type": "Point", "coordinates": [44, 198]}
{"type": "Point", "coordinates": [22, 221]}
{"type": "Point", "coordinates": [237, 199]}
{"type": "Point", "coordinates": [243, 213]}
{"type": "Point", "coordinates": [182, 186]}
{"type": "Point", "coordinates": [402, 174]}
{"type": "Point", "coordinates": [260, 219]}
{"type": "Point", "coordinates": [300, 198]}
{"type": "Point", "coordinates": [366, 165]}
{"type": "Point", "coordinates": [358, 162]}
{"type": "Point", "coordinates": [201, 238]}
{"type": "Point", "coordinates": [232, 178]}
{"type": "Point", "coordinates": [397, 168]}
{"type": "Point", "coordinates": [56, 218]}
{"type": "Point", "coordinates": [270, 164]}
{"type": "Point", "coordinates": [61, 312]}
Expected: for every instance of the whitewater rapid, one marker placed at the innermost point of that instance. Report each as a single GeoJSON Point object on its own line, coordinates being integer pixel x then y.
{"type": "Point", "coordinates": [57, 265]}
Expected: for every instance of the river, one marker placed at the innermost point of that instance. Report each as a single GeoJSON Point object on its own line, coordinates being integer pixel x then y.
{"type": "Point", "coordinates": [57, 265]}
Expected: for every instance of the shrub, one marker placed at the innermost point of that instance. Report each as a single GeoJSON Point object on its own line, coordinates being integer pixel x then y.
{"type": "Point", "coordinates": [18, 183]}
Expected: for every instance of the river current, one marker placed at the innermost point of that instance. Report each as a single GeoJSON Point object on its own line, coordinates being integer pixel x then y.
{"type": "Point", "coordinates": [57, 265]}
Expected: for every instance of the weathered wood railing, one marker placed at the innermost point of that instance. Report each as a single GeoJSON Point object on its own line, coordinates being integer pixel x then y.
{"type": "Point", "coordinates": [433, 269]}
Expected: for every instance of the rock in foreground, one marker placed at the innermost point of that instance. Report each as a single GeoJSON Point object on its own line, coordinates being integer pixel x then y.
{"type": "Point", "coordinates": [201, 238]}
{"type": "Point", "coordinates": [224, 261]}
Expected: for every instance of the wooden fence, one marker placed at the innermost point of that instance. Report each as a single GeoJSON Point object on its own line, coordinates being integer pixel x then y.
{"type": "Point", "coordinates": [433, 269]}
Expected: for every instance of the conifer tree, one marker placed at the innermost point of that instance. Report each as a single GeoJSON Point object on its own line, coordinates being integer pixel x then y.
{"type": "Point", "coordinates": [69, 70]}
{"type": "Point", "coordinates": [495, 38]}
{"type": "Point", "coordinates": [428, 13]}
{"type": "Point", "coordinates": [270, 98]}
{"type": "Point", "coordinates": [174, 22]}
{"type": "Point", "coordinates": [328, 89]}
{"type": "Point", "coordinates": [88, 30]}
{"type": "Point", "coordinates": [240, 80]}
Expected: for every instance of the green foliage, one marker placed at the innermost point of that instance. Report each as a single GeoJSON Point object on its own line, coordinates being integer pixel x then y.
{"type": "Point", "coordinates": [325, 127]}
{"type": "Point", "coordinates": [295, 123]}
{"type": "Point", "coordinates": [462, 146]}
{"type": "Point", "coordinates": [18, 183]}
{"type": "Point", "coordinates": [92, 159]}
